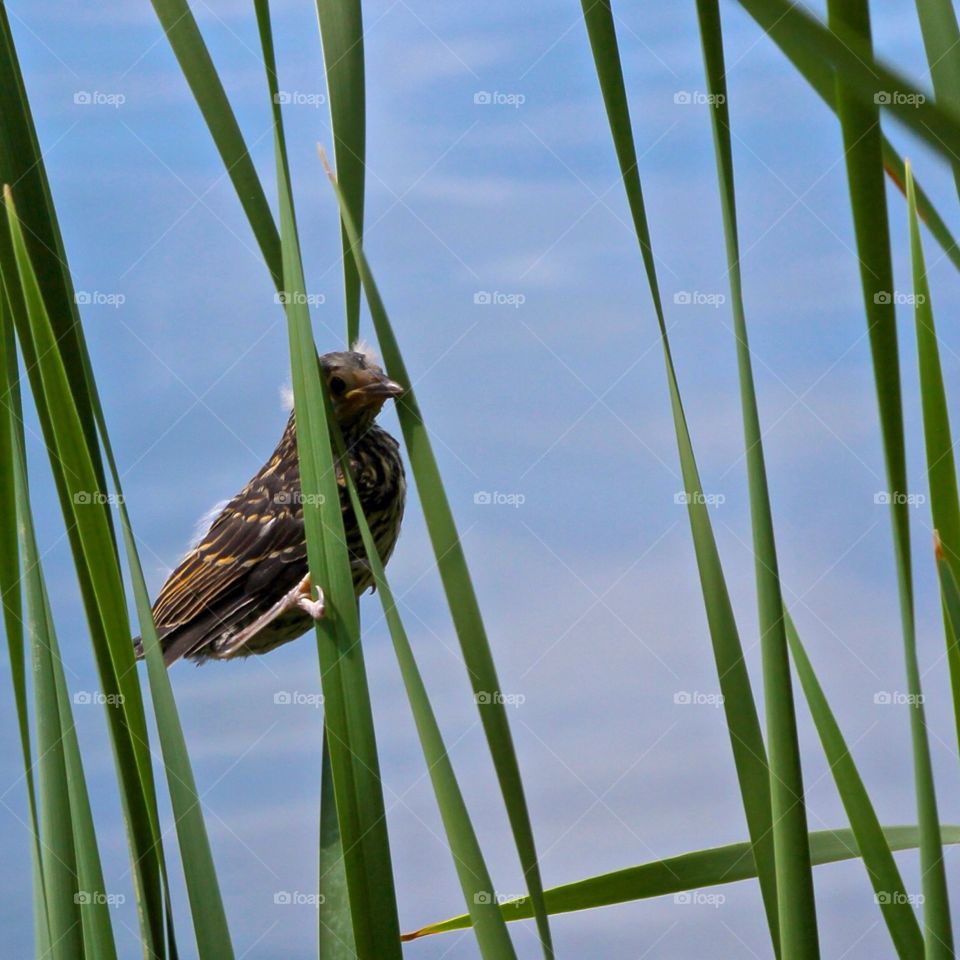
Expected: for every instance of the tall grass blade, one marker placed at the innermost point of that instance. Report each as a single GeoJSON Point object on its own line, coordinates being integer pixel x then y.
{"type": "Point", "coordinates": [191, 52]}
{"type": "Point", "coordinates": [22, 167]}
{"type": "Point", "coordinates": [941, 39]}
{"type": "Point", "coordinates": [860, 124]}
{"type": "Point", "coordinates": [21, 164]}
{"type": "Point", "coordinates": [96, 559]}
{"type": "Point", "coordinates": [77, 907]}
{"type": "Point", "coordinates": [712, 867]}
{"type": "Point", "coordinates": [819, 73]}
{"type": "Point", "coordinates": [213, 938]}
{"type": "Point", "coordinates": [11, 578]}
{"type": "Point", "coordinates": [341, 31]}
{"type": "Point", "coordinates": [865, 79]}
{"type": "Point", "coordinates": [336, 924]}
{"type": "Point", "coordinates": [949, 591]}
{"type": "Point", "coordinates": [941, 466]}
{"type": "Point", "coordinates": [889, 890]}
{"type": "Point", "coordinates": [203, 888]}
{"type": "Point", "coordinates": [341, 28]}
{"type": "Point", "coordinates": [349, 720]}
{"type": "Point", "coordinates": [482, 904]}
{"type": "Point", "coordinates": [56, 825]}
{"type": "Point", "coordinates": [746, 740]}
{"type": "Point", "coordinates": [461, 598]}
{"type": "Point", "coordinates": [798, 927]}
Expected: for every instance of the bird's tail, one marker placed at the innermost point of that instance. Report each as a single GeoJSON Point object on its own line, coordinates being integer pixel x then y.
{"type": "Point", "coordinates": [138, 648]}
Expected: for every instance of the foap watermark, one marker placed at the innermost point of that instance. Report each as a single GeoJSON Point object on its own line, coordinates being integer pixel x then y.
{"type": "Point", "coordinates": [487, 697]}
{"type": "Point", "coordinates": [886, 497]}
{"type": "Point", "coordinates": [282, 497]}
{"type": "Point", "coordinates": [299, 298]}
{"type": "Point", "coordinates": [498, 298]}
{"type": "Point", "coordinates": [85, 498]}
{"type": "Point", "coordinates": [697, 698]}
{"type": "Point", "coordinates": [699, 298]}
{"type": "Point", "coordinates": [494, 498]}
{"type": "Point", "coordinates": [299, 98]}
{"type": "Point", "coordinates": [297, 698]}
{"type": "Point", "coordinates": [698, 898]}
{"type": "Point", "coordinates": [891, 98]}
{"type": "Point", "coordinates": [85, 898]}
{"type": "Point", "coordinates": [85, 698]}
{"type": "Point", "coordinates": [297, 898]}
{"type": "Point", "coordinates": [501, 899]}
{"type": "Point", "coordinates": [682, 498]}
{"type": "Point", "coordinates": [698, 98]}
{"type": "Point", "coordinates": [98, 98]}
{"type": "Point", "coordinates": [884, 897]}
{"type": "Point", "coordinates": [898, 298]}
{"type": "Point", "coordinates": [498, 98]}
{"type": "Point", "coordinates": [97, 298]}
{"type": "Point", "coordinates": [897, 698]}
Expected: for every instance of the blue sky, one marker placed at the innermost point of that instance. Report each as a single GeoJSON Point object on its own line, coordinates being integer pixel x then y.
{"type": "Point", "coordinates": [558, 395]}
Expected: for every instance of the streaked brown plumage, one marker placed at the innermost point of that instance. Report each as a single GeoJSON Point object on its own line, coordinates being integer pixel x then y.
{"type": "Point", "coordinates": [241, 590]}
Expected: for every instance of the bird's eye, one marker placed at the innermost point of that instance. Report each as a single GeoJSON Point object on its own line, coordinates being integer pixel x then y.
{"type": "Point", "coordinates": [337, 386]}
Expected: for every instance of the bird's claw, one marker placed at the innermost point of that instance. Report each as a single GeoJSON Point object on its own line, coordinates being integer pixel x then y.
{"type": "Point", "coordinates": [316, 608]}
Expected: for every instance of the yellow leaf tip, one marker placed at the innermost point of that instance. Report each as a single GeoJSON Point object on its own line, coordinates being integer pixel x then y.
{"type": "Point", "coordinates": [325, 161]}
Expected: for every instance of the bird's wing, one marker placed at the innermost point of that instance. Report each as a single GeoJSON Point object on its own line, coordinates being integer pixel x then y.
{"type": "Point", "coordinates": [256, 536]}
{"type": "Point", "coordinates": [254, 550]}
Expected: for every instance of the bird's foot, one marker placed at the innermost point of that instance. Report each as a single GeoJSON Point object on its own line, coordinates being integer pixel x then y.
{"type": "Point", "coordinates": [316, 608]}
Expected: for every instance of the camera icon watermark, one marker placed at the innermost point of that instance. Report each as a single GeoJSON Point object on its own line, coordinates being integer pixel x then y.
{"type": "Point", "coordinates": [897, 698]}
{"type": "Point", "coordinates": [495, 498]}
{"type": "Point", "coordinates": [486, 98]}
{"type": "Point", "coordinates": [97, 298]}
{"type": "Point", "coordinates": [296, 898]}
{"type": "Point", "coordinates": [892, 98]}
{"type": "Point", "coordinates": [885, 497]}
{"type": "Point", "coordinates": [698, 98]}
{"type": "Point", "coordinates": [297, 698]}
{"type": "Point", "coordinates": [696, 698]}
{"type": "Point", "coordinates": [84, 898]}
{"type": "Point", "coordinates": [83, 698]}
{"type": "Point", "coordinates": [699, 898]}
{"type": "Point", "coordinates": [498, 298]}
{"type": "Point", "coordinates": [85, 498]}
{"type": "Point", "coordinates": [885, 897]}
{"type": "Point", "coordinates": [98, 98]}
{"type": "Point", "coordinates": [898, 298]}
{"type": "Point", "coordinates": [487, 697]}
{"type": "Point", "coordinates": [298, 497]}
{"type": "Point", "coordinates": [298, 297]}
{"type": "Point", "coordinates": [298, 98]}
{"type": "Point", "coordinates": [699, 298]}
{"type": "Point", "coordinates": [683, 498]}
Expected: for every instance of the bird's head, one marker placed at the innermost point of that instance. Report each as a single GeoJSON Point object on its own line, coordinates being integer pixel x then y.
{"type": "Point", "coordinates": [357, 386]}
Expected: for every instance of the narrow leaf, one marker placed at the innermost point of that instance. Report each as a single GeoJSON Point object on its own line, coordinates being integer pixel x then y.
{"type": "Point", "coordinates": [461, 598]}
{"type": "Point", "coordinates": [716, 866]}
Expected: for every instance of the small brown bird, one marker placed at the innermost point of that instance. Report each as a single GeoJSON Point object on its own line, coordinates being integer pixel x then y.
{"type": "Point", "coordinates": [245, 588]}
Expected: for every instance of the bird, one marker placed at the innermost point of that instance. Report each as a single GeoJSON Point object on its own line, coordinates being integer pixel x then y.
{"type": "Point", "coordinates": [244, 588]}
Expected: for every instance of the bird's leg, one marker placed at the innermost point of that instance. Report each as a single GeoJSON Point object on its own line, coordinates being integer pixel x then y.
{"type": "Point", "coordinates": [299, 596]}
{"type": "Point", "coordinates": [302, 593]}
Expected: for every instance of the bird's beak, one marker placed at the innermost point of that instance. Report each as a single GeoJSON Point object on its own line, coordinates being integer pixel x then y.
{"type": "Point", "coordinates": [378, 387]}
